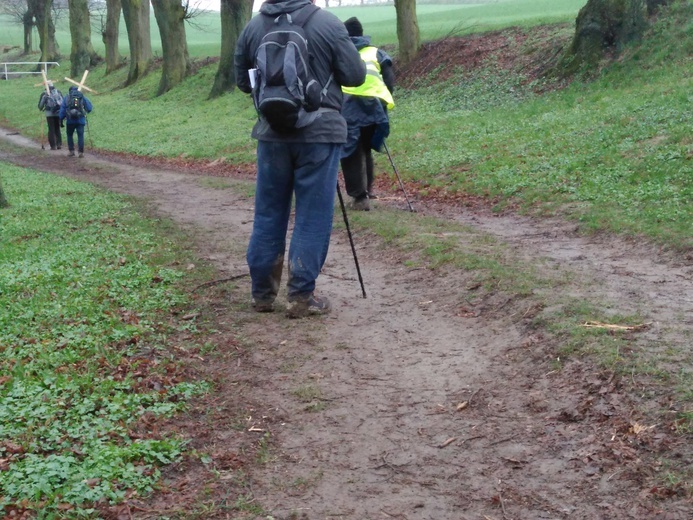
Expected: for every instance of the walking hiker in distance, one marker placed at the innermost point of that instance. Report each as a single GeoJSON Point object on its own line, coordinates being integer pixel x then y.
{"type": "Point", "coordinates": [74, 109]}
{"type": "Point", "coordinates": [365, 110]}
{"type": "Point", "coordinates": [298, 150]}
{"type": "Point", "coordinates": [50, 103]}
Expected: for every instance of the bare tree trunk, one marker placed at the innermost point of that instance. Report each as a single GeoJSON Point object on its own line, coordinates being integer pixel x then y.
{"type": "Point", "coordinates": [109, 35]}
{"type": "Point", "coordinates": [41, 9]}
{"type": "Point", "coordinates": [136, 15]}
{"type": "Point", "coordinates": [603, 25]}
{"type": "Point", "coordinates": [234, 15]}
{"type": "Point", "coordinates": [82, 56]}
{"type": "Point", "coordinates": [170, 17]}
{"type": "Point", "coordinates": [28, 24]}
{"type": "Point", "coordinates": [407, 31]}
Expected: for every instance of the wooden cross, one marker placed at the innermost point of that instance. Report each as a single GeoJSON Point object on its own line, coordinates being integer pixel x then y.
{"type": "Point", "coordinates": [81, 84]}
{"type": "Point", "coordinates": [44, 84]}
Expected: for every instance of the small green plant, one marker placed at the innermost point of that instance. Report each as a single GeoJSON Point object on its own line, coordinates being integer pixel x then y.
{"type": "Point", "coordinates": [307, 393]}
{"type": "Point", "coordinates": [263, 454]}
{"type": "Point", "coordinates": [246, 504]}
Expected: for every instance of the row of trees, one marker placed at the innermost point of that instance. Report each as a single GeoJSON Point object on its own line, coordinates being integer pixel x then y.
{"type": "Point", "coordinates": [170, 16]}
{"type": "Point", "coordinates": [600, 24]}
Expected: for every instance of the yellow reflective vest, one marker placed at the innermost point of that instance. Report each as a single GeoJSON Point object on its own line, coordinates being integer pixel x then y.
{"type": "Point", "coordinates": [374, 86]}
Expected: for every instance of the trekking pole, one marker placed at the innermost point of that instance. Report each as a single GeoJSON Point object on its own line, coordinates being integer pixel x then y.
{"type": "Point", "coordinates": [91, 142]}
{"type": "Point", "coordinates": [351, 239]}
{"type": "Point", "coordinates": [398, 177]}
{"type": "Point", "coordinates": [42, 121]}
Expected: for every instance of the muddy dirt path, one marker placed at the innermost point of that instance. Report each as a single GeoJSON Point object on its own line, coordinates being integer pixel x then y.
{"type": "Point", "coordinates": [402, 406]}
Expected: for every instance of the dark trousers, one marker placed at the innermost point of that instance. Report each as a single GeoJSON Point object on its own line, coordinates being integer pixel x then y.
{"type": "Point", "coordinates": [80, 137]}
{"type": "Point", "coordinates": [358, 167]}
{"type": "Point", "coordinates": [55, 137]}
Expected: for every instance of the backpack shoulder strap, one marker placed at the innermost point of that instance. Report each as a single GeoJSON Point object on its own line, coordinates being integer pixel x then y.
{"type": "Point", "coordinates": [304, 14]}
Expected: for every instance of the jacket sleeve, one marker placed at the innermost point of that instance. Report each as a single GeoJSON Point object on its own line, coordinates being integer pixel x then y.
{"type": "Point", "coordinates": [63, 109]}
{"type": "Point", "coordinates": [42, 101]}
{"type": "Point", "coordinates": [87, 105]}
{"type": "Point", "coordinates": [388, 77]}
{"type": "Point", "coordinates": [386, 70]}
{"type": "Point", "coordinates": [242, 62]}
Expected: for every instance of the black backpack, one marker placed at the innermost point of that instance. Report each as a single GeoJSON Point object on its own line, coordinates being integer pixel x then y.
{"type": "Point", "coordinates": [286, 94]}
{"type": "Point", "coordinates": [75, 105]}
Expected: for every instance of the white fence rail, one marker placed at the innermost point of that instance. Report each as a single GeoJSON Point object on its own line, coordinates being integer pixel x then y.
{"type": "Point", "coordinates": [44, 64]}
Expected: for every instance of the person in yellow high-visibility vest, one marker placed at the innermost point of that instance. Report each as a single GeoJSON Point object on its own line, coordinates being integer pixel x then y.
{"type": "Point", "coordinates": [365, 110]}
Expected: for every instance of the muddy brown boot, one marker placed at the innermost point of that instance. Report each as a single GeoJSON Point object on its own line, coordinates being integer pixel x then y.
{"type": "Point", "coordinates": [262, 306]}
{"type": "Point", "coordinates": [311, 306]}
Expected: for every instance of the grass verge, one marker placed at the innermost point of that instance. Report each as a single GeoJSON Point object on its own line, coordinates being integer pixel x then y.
{"type": "Point", "coordinates": [90, 293]}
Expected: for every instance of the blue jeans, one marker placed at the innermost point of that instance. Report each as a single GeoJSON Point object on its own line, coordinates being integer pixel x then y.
{"type": "Point", "coordinates": [308, 171]}
{"type": "Point", "coordinates": [70, 128]}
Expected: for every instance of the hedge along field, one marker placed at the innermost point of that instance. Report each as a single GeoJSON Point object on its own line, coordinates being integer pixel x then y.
{"type": "Point", "coordinates": [613, 153]}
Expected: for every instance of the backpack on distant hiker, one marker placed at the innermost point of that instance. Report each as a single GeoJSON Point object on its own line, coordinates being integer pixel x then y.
{"type": "Point", "coordinates": [53, 101]}
{"type": "Point", "coordinates": [75, 105]}
{"type": "Point", "coordinates": [286, 94]}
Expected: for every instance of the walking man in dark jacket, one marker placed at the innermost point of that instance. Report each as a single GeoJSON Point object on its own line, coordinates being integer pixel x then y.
{"type": "Point", "coordinates": [365, 110]}
{"type": "Point", "coordinates": [302, 163]}
{"type": "Point", "coordinates": [50, 103]}
{"type": "Point", "coordinates": [76, 115]}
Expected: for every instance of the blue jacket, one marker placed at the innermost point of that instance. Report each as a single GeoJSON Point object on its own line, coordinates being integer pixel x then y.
{"type": "Point", "coordinates": [63, 109]}
{"type": "Point", "coordinates": [360, 111]}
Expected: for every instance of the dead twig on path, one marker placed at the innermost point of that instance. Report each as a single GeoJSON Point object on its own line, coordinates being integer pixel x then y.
{"type": "Point", "coordinates": [220, 280]}
{"type": "Point", "coordinates": [394, 468]}
{"type": "Point", "coordinates": [447, 442]}
{"type": "Point", "coordinates": [469, 401]}
{"type": "Point", "coordinates": [338, 277]}
{"type": "Point", "coordinates": [614, 474]}
{"type": "Point", "coordinates": [502, 503]}
{"type": "Point", "coordinates": [503, 440]}
{"type": "Point", "coordinates": [393, 515]}
{"type": "Point", "coordinates": [600, 325]}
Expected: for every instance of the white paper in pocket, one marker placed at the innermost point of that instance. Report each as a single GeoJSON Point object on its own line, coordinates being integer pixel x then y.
{"type": "Point", "coordinates": [252, 73]}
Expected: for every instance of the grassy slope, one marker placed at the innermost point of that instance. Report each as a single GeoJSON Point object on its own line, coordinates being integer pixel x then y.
{"type": "Point", "coordinates": [614, 152]}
